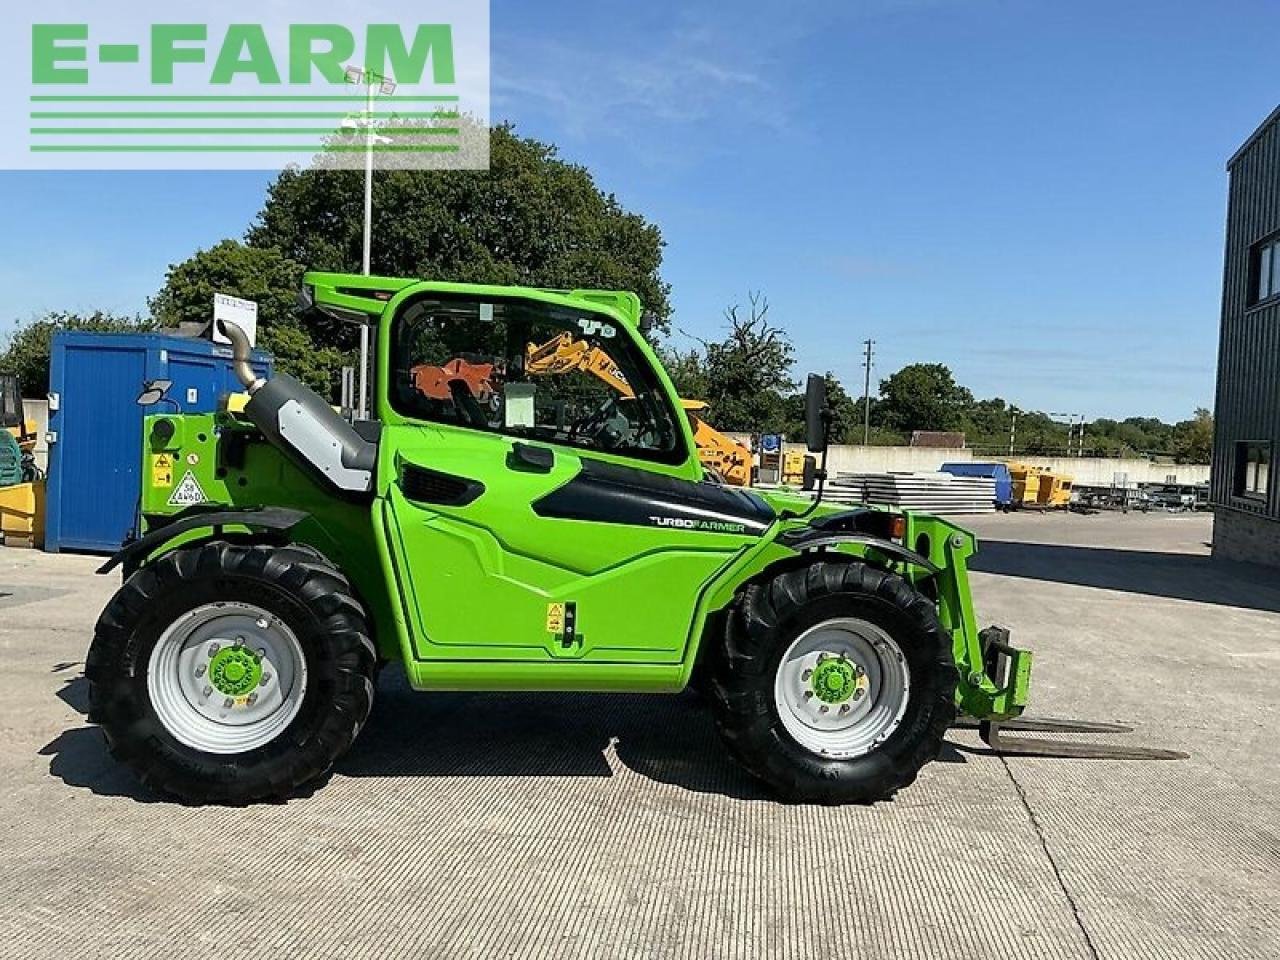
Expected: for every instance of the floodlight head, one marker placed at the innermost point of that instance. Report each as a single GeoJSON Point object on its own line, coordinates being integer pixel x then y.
{"type": "Point", "coordinates": [388, 88]}
{"type": "Point", "coordinates": [355, 75]}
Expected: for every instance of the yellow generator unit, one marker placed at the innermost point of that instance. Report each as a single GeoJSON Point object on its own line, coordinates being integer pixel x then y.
{"type": "Point", "coordinates": [1038, 488]}
{"type": "Point", "coordinates": [799, 469]}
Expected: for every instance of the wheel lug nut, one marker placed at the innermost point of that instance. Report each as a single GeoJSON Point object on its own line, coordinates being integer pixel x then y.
{"type": "Point", "coordinates": [806, 675]}
{"type": "Point", "coordinates": [844, 708]}
{"type": "Point", "coordinates": [823, 709]}
{"type": "Point", "coordinates": [857, 694]}
{"type": "Point", "coordinates": [213, 649]}
{"type": "Point", "coordinates": [228, 703]}
{"type": "Point", "coordinates": [206, 691]}
{"type": "Point", "coordinates": [262, 624]}
{"type": "Point", "coordinates": [200, 670]}
{"type": "Point", "coordinates": [253, 698]}
{"type": "Point", "coordinates": [266, 678]}
{"type": "Point", "coordinates": [808, 694]}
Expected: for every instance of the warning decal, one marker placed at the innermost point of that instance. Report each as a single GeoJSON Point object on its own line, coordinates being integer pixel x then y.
{"type": "Point", "coordinates": [162, 470]}
{"type": "Point", "coordinates": [555, 618]}
{"type": "Point", "coordinates": [187, 493]}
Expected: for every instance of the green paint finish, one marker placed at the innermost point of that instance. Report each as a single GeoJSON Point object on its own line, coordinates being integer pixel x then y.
{"type": "Point", "coordinates": [834, 680]}
{"type": "Point", "coordinates": [464, 595]}
{"type": "Point", "coordinates": [234, 671]}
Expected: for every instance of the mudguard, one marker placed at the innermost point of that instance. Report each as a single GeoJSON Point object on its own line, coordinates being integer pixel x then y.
{"type": "Point", "coordinates": [813, 538]}
{"type": "Point", "coordinates": [277, 519]}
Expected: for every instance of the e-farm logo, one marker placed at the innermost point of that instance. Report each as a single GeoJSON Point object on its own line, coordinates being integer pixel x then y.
{"type": "Point", "coordinates": [126, 91]}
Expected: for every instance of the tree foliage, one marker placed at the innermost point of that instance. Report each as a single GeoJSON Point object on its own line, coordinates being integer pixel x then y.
{"type": "Point", "coordinates": [1193, 439]}
{"type": "Point", "coordinates": [272, 280]}
{"type": "Point", "coordinates": [923, 396]}
{"type": "Point", "coordinates": [746, 375]}
{"type": "Point", "coordinates": [27, 353]}
{"type": "Point", "coordinates": [265, 276]}
{"type": "Point", "coordinates": [531, 219]}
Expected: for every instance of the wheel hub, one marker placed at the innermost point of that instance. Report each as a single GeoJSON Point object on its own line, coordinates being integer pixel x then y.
{"type": "Point", "coordinates": [234, 671]}
{"type": "Point", "coordinates": [842, 687]}
{"type": "Point", "coordinates": [834, 680]}
{"type": "Point", "coordinates": [227, 677]}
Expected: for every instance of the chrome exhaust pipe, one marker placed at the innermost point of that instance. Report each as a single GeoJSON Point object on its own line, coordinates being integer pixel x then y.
{"type": "Point", "coordinates": [242, 355]}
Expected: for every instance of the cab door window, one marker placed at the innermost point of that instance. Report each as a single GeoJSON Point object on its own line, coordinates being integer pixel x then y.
{"type": "Point", "coordinates": [534, 371]}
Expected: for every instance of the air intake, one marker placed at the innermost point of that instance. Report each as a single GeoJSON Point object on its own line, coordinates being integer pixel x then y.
{"type": "Point", "coordinates": [429, 486]}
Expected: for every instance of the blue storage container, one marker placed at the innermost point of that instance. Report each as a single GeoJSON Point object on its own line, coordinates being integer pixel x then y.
{"type": "Point", "coordinates": [95, 424]}
{"type": "Point", "coordinates": [996, 471]}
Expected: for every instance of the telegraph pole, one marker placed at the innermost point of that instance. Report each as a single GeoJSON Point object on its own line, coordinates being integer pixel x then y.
{"type": "Point", "coordinates": [866, 394]}
{"type": "Point", "coordinates": [1013, 431]}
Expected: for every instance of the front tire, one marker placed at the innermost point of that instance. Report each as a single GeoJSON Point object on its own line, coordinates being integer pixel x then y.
{"type": "Point", "coordinates": [229, 673]}
{"type": "Point", "coordinates": [834, 682]}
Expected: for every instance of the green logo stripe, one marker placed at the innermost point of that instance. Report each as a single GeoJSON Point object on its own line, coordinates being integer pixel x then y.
{"type": "Point", "coordinates": [255, 115]}
{"type": "Point", "coordinates": [238, 131]}
{"type": "Point", "coordinates": [269, 98]}
{"type": "Point", "coordinates": [240, 148]}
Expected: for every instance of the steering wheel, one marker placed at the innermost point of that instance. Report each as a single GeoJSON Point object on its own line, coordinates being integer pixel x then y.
{"type": "Point", "coordinates": [595, 426]}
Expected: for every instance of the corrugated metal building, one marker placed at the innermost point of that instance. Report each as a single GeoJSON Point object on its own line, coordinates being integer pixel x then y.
{"type": "Point", "coordinates": [1246, 496]}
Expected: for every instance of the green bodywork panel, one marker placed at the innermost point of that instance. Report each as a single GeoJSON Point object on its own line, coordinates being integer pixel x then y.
{"type": "Point", "coordinates": [475, 596]}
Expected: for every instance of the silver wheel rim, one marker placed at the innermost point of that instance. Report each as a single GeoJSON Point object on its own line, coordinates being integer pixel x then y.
{"type": "Point", "coordinates": [227, 677]}
{"type": "Point", "coordinates": [842, 688]}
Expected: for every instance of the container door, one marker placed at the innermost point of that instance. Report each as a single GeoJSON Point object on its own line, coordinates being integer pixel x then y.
{"type": "Point", "coordinates": [94, 484]}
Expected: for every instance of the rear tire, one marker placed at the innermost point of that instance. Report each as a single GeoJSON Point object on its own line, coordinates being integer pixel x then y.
{"type": "Point", "coordinates": [834, 682]}
{"type": "Point", "coordinates": [228, 673]}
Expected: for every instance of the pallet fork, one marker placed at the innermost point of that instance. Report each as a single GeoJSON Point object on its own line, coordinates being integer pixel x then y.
{"type": "Point", "coordinates": [997, 654]}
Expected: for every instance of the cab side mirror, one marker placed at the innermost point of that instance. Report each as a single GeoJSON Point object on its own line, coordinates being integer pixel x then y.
{"type": "Point", "coordinates": [817, 417]}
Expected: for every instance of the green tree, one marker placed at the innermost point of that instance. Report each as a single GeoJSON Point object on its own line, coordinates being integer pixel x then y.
{"type": "Point", "coordinates": [748, 373]}
{"type": "Point", "coordinates": [27, 353]}
{"type": "Point", "coordinates": [265, 276]}
{"type": "Point", "coordinates": [923, 396]}
{"type": "Point", "coordinates": [531, 218]}
{"type": "Point", "coordinates": [688, 371]}
{"type": "Point", "coordinates": [272, 280]}
{"type": "Point", "coordinates": [1193, 439]}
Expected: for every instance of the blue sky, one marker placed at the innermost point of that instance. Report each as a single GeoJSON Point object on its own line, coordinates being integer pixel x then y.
{"type": "Point", "coordinates": [1032, 193]}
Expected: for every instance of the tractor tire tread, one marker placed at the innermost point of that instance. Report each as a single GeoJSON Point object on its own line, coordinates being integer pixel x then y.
{"type": "Point", "coordinates": [764, 619]}
{"type": "Point", "coordinates": [336, 641]}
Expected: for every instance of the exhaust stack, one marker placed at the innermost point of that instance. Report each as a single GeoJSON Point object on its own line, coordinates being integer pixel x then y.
{"type": "Point", "coordinates": [242, 355]}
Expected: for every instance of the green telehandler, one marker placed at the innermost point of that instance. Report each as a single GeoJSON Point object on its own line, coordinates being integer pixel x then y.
{"type": "Point", "coordinates": [542, 534]}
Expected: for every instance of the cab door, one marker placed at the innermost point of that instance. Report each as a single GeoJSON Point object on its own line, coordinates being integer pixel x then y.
{"type": "Point", "coordinates": [541, 515]}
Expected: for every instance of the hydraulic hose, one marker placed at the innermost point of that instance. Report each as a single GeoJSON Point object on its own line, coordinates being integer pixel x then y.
{"type": "Point", "coordinates": [241, 354]}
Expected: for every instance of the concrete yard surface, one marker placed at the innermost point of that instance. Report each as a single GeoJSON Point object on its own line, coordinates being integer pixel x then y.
{"type": "Point", "coordinates": [468, 825]}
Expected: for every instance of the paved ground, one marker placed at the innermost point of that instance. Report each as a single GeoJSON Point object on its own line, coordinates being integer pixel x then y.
{"type": "Point", "coordinates": [576, 826]}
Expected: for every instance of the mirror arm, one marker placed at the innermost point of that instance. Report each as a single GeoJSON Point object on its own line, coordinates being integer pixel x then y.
{"type": "Point", "coordinates": [820, 474]}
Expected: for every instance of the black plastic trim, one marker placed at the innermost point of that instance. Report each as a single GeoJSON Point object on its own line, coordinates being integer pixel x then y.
{"type": "Point", "coordinates": [526, 457]}
{"type": "Point", "coordinates": [423, 485]}
{"type": "Point", "coordinates": [813, 538]}
{"type": "Point", "coordinates": [607, 493]}
{"type": "Point", "coordinates": [197, 518]}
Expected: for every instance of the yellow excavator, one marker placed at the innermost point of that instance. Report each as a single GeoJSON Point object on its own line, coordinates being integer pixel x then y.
{"type": "Point", "coordinates": [726, 459]}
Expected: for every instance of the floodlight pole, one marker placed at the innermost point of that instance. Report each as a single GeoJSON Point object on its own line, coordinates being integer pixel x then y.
{"type": "Point", "coordinates": [387, 86]}
{"type": "Point", "coordinates": [362, 405]}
